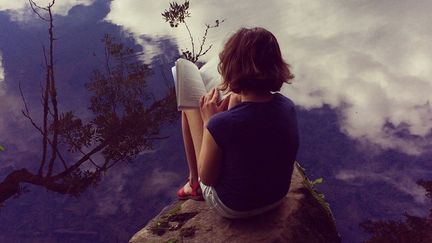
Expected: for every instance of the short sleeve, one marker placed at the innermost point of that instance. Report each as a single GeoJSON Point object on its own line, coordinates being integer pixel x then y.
{"type": "Point", "coordinates": [219, 127]}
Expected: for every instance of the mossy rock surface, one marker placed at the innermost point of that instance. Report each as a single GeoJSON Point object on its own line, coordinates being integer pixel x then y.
{"type": "Point", "coordinates": [299, 218]}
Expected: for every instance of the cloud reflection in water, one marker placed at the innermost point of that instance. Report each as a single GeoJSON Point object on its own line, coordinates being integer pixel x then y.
{"type": "Point", "coordinates": [19, 10]}
{"type": "Point", "coordinates": [364, 58]}
{"type": "Point", "coordinates": [403, 183]}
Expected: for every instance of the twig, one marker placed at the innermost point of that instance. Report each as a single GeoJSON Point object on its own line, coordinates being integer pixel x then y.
{"type": "Point", "coordinates": [82, 152]}
{"type": "Point", "coordinates": [191, 38]}
{"type": "Point", "coordinates": [34, 7]}
{"type": "Point", "coordinates": [205, 51]}
{"type": "Point", "coordinates": [80, 161]}
{"type": "Point", "coordinates": [26, 114]}
{"type": "Point", "coordinates": [203, 40]}
{"type": "Point", "coordinates": [107, 167]}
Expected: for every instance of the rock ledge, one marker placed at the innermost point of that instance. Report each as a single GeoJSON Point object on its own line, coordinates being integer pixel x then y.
{"type": "Point", "coordinates": [303, 216]}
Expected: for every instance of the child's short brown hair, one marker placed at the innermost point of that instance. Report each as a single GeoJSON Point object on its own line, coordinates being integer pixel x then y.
{"type": "Point", "coordinates": [252, 60]}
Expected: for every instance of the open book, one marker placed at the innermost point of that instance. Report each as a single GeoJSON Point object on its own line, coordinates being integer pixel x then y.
{"type": "Point", "coordinates": [191, 83]}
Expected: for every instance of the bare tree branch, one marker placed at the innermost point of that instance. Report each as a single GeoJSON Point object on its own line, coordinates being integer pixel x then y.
{"type": "Point", "coordinates": [177, 14]}
{"type": "Point", "coordinates": [26, 113]}
{"type": "Point", "coordinates": [61, 158]}
{"type": "Point", "coordinates": [53, 91]}
{"type": "Point", "coordinates": [107, 166]}
{"type": "Point", "coordinates": [35, 8]}
{"type": "Point", "coordinates": [83, 159]}
{"type": "Point", "coordinates": [90, 159]}
{"type": "Point", "coordinates": [203, 41]}
{"type": "Point", "coordinates": [117, 135]}
{"type": "Point", "coordinates": [45, 116]}
{"type": "Point", "coordinates": [48, 83]}
{"type": "Point", "coordinates": [208, 49]}
{"type": "Point", "coordinates": [10, 186]}
{"type": "Point", "coordinates": [191, 38]}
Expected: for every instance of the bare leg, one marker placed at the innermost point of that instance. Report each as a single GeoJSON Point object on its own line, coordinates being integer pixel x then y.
{"type": "Point", "coordinates": [192, 129]}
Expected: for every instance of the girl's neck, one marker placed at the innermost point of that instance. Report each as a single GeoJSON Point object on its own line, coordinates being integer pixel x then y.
{"type": "Point", "coordinates": [251, 96]}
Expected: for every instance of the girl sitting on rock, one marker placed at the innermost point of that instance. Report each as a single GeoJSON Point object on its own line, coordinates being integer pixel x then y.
{"type": "Point", "coordinates": [241, 151]}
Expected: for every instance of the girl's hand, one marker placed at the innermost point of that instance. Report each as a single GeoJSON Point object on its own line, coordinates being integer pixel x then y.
{"type": "Point", "coordinates": [209, 106]}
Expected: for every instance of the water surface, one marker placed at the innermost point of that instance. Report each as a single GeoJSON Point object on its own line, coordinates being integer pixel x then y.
{"type": "Point", "coordinates": [362, 88]}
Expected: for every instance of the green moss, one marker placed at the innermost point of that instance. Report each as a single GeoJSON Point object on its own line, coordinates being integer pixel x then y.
{"type": "Point", "coordinates": [316, 194]}
{"type": "Point", "coordinates": [173, 211]}
{"type": "Point", "coordinates": [172, 220]}
{"type": "Point", "coordinates": [161, 225]}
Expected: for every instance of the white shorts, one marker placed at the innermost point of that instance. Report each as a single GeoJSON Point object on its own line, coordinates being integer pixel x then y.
{"type": "Point", "coordinates": [213, 201]}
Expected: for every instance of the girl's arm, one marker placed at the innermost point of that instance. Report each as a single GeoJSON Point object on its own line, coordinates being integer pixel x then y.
{"type": "Point", "coordinates": [210, 157]}
{"type": "Point", "coordinates": [210, 160]}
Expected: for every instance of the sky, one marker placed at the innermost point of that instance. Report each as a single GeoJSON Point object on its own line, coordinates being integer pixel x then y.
{"type": "Point", "coordinates": [368, 59]}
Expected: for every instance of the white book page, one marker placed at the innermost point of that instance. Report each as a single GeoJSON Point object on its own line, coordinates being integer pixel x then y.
{"type": "Point", "coordinates": [189, 83]}
{"type": "Point", "coordinates": [174, 74]}
{"type": "Point", "coordinates": [211, 77]}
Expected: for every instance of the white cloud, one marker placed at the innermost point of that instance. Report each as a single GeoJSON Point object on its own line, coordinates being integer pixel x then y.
{"type": "Point", "coordinates": [19, 9]}
{"type": "Point", "coordinates": [10, 104]}
{"type": "Point", "coordinates": [11, 119]}
{"type": "Point", "coordinates": [143, 18]}
{"type": "Point", "coordinates": [12, 5]}
{"type": "Point", "coordinates": [159, 181]}
{"type": "Point", "coordinates": [368, 58]}
{"type": "Point", "coordinates": [11, 116]}
{"type": "Point", "coordinates": [373, 68]}
{"type": "Point", "coordinates": [403, 183]}
{"type": "Point", "coordinates": [111, 195]}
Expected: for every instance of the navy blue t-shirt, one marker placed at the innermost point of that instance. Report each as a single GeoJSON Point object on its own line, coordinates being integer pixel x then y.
{"type": "Point", "coordinates": [259, 143]}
